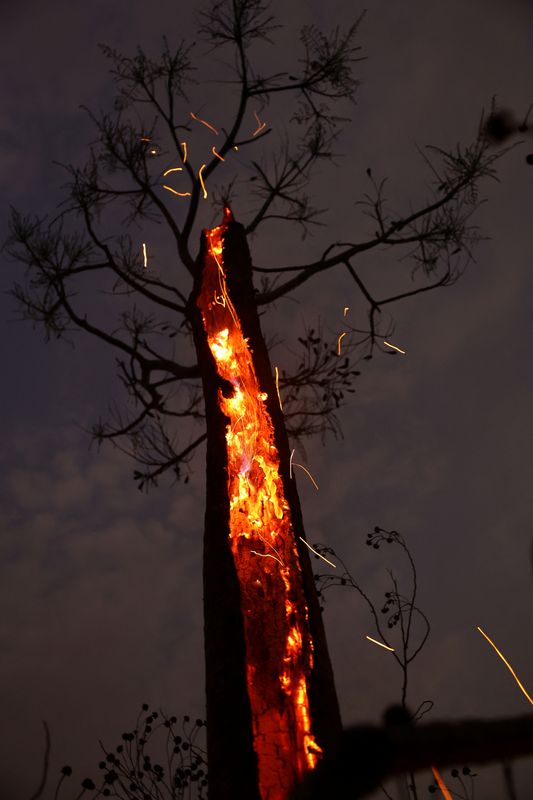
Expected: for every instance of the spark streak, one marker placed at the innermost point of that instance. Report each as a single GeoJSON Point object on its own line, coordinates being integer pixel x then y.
{"type": "Point", "coordinates": [180, 194]}
{"type": "Point", "coordinates": [386, 646]}
{"type": "Point", "coordinates": [294, 464]}
{"type": "Point", "coordinates": [277, 388]}
{"type": "Point", "coordinates": [145, 256]}
{"type": "Point", "coordinates": [266, 555]}
{"type": "Point", "coordinates": [339, 340]}
{"type": "Point", "coordinates": [207, 125]}
{"type": "Point", "coordinates": [393, 346]}
{"type": "Point", "coordinates": [260, 125]}
{"type": "Point", "coordinates": [184, 145]}
{"type": "Point", "coordinates": [509, 667]}
{"type": "Point", "coordinates": [213, 150]}
{"type": "Point", "coordinates": [345, 310]}
{"type": "Point", "coordinates": [312, 549]}
{"type": "Point", "coordinates": [172, 169]}
{"type": "Point", "coordinates": [442, 786]}
{"type": "Point", "coordinates": [202, 180]}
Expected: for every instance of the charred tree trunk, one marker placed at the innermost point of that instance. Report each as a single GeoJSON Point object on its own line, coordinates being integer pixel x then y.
{"type": "Point", "coordinates": [259, 599]}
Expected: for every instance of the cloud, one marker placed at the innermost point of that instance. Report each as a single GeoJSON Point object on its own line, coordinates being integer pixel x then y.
{"type": "Point", "coordinates": [101, 599]}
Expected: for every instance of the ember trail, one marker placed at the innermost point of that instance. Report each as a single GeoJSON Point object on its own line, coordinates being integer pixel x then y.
{"type": "Point", "coordinates": [278, 644]}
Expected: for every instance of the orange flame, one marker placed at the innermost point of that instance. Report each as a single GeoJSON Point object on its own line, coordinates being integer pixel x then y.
{"type": "Point", "coordinates": [275, 616]}
{"type": "Point", "coordinates": [260, 125]}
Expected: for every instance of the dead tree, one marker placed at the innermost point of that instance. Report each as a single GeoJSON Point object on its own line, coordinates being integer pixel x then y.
{"type": "Point", "coordinates": [144, 159]}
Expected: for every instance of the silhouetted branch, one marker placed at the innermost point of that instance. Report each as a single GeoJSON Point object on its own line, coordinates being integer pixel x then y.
{"type": "Point", "coordinates": [369, 755]}
{"type": "Point", "coordinates": [398, 611]}
{"type": "Point", "coordinates": [144, 137]}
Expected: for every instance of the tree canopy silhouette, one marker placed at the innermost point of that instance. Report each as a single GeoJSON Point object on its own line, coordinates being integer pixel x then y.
{"type": "Point", "coordinates": [144, 163]}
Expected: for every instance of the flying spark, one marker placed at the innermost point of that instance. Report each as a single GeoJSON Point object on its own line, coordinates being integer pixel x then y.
{"type": "Point", "coordinates": [266, 555]}
{"type": "Point", "coordinates": [207, 125]}
{"type": "Point", "coordinates": [213, 150]}
{"type": "Point", "coordinates": [145, 256]}
{"type": "Point", "coordinates": [260, 125]}
{"type": "Point", "coordinates": [442, 786]}
{"type": "Point", "coordinates": [312, 549]}
{"type": "Point", "coordinates": [277, 388]}
{"type": "Point", "coordinates": [386, 646]}
{"type": "Point", "coordinates": [202, 180]}
{"type": "Point", "coordinates": [172, 169]}
{"type": "Point", "coordinates": [184, 145]}
{"type": "Point", "coordinates": [393, 346]}
{"type": "Point", "coordinates": [180, 194]}
{"type": "Point", "coordinates": [509, 667]}
{"type": "Point", "coordinates": [294, 464]}
{"type": "Point", "coordinates": [345, 310]}
{"type": "Point", "coordinates": [339, 340]}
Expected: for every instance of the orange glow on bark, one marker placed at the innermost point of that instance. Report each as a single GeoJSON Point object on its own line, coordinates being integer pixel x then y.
{"type": "Point", "coordinates": [279, 650]}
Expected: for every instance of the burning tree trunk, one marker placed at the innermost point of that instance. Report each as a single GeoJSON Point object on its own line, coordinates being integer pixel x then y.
{"type": "Point", "coordinates": [271, 702]}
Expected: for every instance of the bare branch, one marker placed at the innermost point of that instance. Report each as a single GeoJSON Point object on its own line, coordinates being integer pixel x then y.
{"type": "Point", "coordinates": [444, 219]}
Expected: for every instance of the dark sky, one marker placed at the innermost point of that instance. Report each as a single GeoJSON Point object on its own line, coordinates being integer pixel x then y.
{"type": "Point", "coordinates": [101, 584]}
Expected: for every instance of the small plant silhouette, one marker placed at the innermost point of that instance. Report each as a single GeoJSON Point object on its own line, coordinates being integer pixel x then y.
{"type": "Point", "coordinates": [399, 610]}
{"type": "Point", "coordinates": [463, 786]}
{"type": "Point", "coordinates": [131, 773]}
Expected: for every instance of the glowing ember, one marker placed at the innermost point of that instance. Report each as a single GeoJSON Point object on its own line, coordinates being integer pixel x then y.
{"type": "Point", "coordinates": [381, 644]}
{"type": "Point", "coordinates": [442, 786]}
{"type": "Point", "coordinates": [179, 194]}
{"type": "Point", "coordinates": [260, 125]}
{"type": "Point", "coordinates": [172, 169]}
{"type": "Point", "coordinates": [509, 667]}
{"type": "Point", "coordinates": [394, 347]}
{"type": "Point", "coordinates": [277, 389]}
{"type": "Point", "coordinates": [279, 650]}
{"type": "Point", "coordinates": [339, 340]}
{"type": "Point", "coordinates": [293, 463]}
{"type": "Point", "coordinates": [312, 549]}
{"type": "Point", "coordinates": [207, 125]}
{"type": "Point", "coordinates": [202, 184]}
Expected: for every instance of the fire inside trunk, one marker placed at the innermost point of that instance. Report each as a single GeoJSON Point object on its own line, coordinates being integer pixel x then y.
{"type": "Point", "coordinates": [277, 640]}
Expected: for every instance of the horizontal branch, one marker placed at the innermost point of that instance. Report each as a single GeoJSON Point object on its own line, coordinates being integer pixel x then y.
{"type": "Point", "coordinates": [157, 364]}
{"type": "Point", "coordinates": [306, 271]}
{"type": "Point", "coordinates": [369, 755]}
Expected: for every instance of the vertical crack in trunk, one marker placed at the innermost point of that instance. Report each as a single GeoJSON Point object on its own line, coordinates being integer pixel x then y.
{"type": "Point", "coordinates": [275, 630]}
